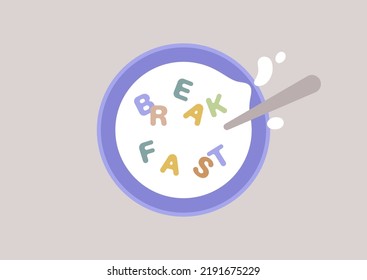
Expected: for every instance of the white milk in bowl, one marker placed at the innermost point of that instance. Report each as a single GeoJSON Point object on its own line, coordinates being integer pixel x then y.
{"type": "Point", "coordinates": [169, 129]}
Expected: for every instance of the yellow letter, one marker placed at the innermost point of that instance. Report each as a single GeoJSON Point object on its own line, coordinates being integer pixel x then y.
{"type": "Point", "coordinates": [195, 112]}
{"type": "Point", "coordinates": [171, 163]}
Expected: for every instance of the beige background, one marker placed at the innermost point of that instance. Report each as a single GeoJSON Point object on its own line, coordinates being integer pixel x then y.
{"type": "Point", "coordinates": [56, 198]}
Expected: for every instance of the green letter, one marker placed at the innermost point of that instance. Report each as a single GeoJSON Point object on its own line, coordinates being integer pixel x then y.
{"type": "Point", "coordinates": [144, 153]}
{"type": "Point", "coordinates": [215, 106]}
{"type": "Point", "coordinates": [179, 88]}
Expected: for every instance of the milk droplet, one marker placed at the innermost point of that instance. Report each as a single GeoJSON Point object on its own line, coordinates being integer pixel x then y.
{"type": "Point", "coordinates": [280, 57]}
{"type": "Point", "coordinates": [264, 71]}
{"type": "Point", "coordinates": [275, 123]}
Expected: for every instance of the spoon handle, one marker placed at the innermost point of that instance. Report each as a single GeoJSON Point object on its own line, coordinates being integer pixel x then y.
{"type": "Point", "coordinates": [302, 88]}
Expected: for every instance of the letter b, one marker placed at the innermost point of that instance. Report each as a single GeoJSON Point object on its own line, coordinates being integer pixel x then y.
{"type": "Point", "coordinates": [143, 103]}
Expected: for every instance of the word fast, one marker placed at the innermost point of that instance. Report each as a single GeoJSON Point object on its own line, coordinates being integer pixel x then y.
{"type": "Point", "coordinates": [172, 163]}
{"type": "Point", "coordinates": [145, 106]}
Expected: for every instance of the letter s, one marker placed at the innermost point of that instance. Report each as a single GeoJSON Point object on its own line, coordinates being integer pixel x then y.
{"type": "Point", "coordinates": [205, 171]}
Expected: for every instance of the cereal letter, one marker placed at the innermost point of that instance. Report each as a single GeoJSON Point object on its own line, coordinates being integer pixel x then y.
{"type": "Point", "coordinates": [143, 104]}
{"type": "Point", "coordinates": [171, 163]}
{"type": "Point", "coordinates": [144, 153]}
{"type": "Point", "coordinates": [195, 112]}
{"type": "Point", "coordinates": [217, 154]}
{"type": "Point", "coordinates": [179, 88]}
{"type": "Point", "coordinates": [205, 169]}
{"type": "Point", "coordinates": [215, 106]}
{"type": "Point", "coordinates": [158, 112]}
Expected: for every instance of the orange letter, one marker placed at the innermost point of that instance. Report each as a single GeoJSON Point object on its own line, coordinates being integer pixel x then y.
{"type": "Point", "coordinates": [195, 112]}
{"type": "Point", "coordinates": [171, 163]}
{"type": "Point", "coordinates": [154, 115]}
{"type": "Point", "coordinates": [205, 169]}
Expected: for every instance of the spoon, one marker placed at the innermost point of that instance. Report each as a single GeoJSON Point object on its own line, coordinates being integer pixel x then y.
{"type": "Point", "coordinates": [302, 88]}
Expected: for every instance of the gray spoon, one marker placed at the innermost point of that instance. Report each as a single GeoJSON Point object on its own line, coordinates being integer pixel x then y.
{"type": "Point", "coordinates": [301, 89]}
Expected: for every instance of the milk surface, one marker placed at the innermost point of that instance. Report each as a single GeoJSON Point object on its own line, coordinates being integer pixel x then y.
{"type": "Point", "coordinates": [180, 136]}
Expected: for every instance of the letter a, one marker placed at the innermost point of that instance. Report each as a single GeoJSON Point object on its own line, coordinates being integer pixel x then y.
{"type": "Point", "coordinates": [170, 163]}
{"type": "Point", "coordinates": [196, 112]}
